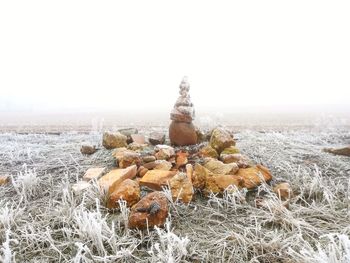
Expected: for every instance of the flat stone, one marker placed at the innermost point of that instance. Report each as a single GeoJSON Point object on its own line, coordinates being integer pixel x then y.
{"type": "Point", "coordinates": [181, 188]}
{"type": "Point", "coordinates": [128, 190]}
{"type": "Point", "coordinates": [93, 173]}
{"type": "Point", "coordinates": [218, 167]}
{"type": "Point", "coordinates": [345, 151]}
{"type": "Point", "coordinates": [110, 181]}
{"type": "Point", "coordinates": [164, 152]}
{"type": "Point", "coordinates": [162, 165]}
{"type": "Point", "coordinates": [152, 210]}
{"type": "Point", "coordinates": [156, 179]}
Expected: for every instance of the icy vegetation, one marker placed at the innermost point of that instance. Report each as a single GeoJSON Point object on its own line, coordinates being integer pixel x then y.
{"type": "Point", "coordinates": [41, 220]}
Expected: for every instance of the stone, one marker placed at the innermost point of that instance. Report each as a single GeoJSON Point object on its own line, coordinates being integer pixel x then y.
{"type": "Point", "coordinates": [181, 130]}
{"type": "Point", "coordinates": [283, 191]}
{"type": "Point", "coordinates": [4, 179]}
{"type": "Point", "coordinates": [88, 149]}
{"type": "Point", "coordinates": [189, 171]}
{"type": "Point", "coordinates": [148, 159]}
{"type": "Point", "coordinates": [152, 210]}
{"type": "Point", "coordinates": [114, 140]}
{"type": "Point", "coordinates": [182, 133]}
{"type": "Point", "coordinates": [128, 132]}
{"type": "Point", "coordinates": [156, 179]}
{"type": "Point", "coordinates": [163, 165]}
{"type": "Point", "coordinates": [207, 181]}
{"type": "Point", "coordinates": [128, 190]}
{"type": "Point", "coordinates": [218, 167]}
{"type": "Point", "coordinates": [208, 151]}
{"type": "Point", "coordinates": [230, 150]}
{"type": "Point", "coordinates": [181, 188]}
{"type": "Point", "coordinates": [251, 178]}
{"type": "Point", "coordinates": [345, 151]}
{"type": "Point", "coordinates": [221, 139]}
{"type": "Point", "coordinates": [138, 138]}
{"type": "Point", "coordinates": [134, 146]}
{"type": "Point", "coordinates": [80, 186]}
{"type": "Point", "coordinates": [156, 138]}
{"type": "Point", "coordinates": [200, 136]}
{"type": "Point", "coordinates": [129, 158]}
{"type": "Point", "coordinates": [93, 173]}
{"type": "Point", "coordinates": [109, 181]}
{"type": "Point", "coordinates": [164, 152]}
{"type": "Point", "coordinates": [241, 160]}
{"type": "Point", "coordinates": [150, 165]}
{"type": "Point", "coordinates": [218, 183]}
{"type": "Point", "coordinates": [142, 171]}
{"type": "Point", "coordinates": [181, 159]}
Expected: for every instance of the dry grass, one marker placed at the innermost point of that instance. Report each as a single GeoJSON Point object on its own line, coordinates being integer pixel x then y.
{"type": "Point", "coordinates": [42, 221]}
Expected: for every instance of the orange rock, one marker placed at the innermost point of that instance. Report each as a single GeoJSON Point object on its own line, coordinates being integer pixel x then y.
{"type": "Point", "coordinates": [189, 171]}
{"type": "Point", "coordinates": [283, 191]}
{"type": "Point", "coordinates": [4, 179]}
{"type": "Point", "coordinates": [150, 211]}
{"type": "Point", "coordinates": [163, 165]}
{"type": "Point", "coordinates": [142, 171]}
{"type": "Point", "coordinates": [181, 188]}
{"type": "Point", "coordinates": [251, 177]}
{"type": "Point", "coordinates": [109, 181]}
{"type": "Point", "coordinates": [199, 176]}
{"type": "Point", "coordinates": [93, 173]}
{"type": "Point", "coordinates": [218, 167]}
{"type": "Point", "coordinates": [208, 151]}
{"type": "Point", "coordinates": [217, 183]}
{"type": "Point", "coordinates": [128, 158]}
{"type": "Point", "coordinates": [221, 139]}
{"type": "Point", "coordinates": [164, 152]}
{"type": "Point", "coordinates": [155, 179]}
{"type": "Point", "coordinates": [241, 160]}
{"type": "Point", "coordinates": [182, 133]}
{"type": "Point", "coordinates": [127, 190]}
{"type": "Point", "coordinates": [181, 158]}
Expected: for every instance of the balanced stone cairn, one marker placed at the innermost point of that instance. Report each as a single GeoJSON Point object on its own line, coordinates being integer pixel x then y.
{"type": "Point", "coordinates": [182, 131]}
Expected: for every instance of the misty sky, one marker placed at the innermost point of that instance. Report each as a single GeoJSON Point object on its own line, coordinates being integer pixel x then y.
{"type": "Point", "coordinates": [133, 54]}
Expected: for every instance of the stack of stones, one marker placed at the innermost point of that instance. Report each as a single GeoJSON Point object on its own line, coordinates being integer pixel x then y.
{"type": "Point", "coordinates": [181, 131]}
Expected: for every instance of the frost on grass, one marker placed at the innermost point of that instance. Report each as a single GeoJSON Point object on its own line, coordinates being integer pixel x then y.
{"type": "Point", "coordinates": [42, 220]}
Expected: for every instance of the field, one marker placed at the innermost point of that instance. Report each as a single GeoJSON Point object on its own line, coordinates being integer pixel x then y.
{"type": "Point", "coordinates": [41, 220]}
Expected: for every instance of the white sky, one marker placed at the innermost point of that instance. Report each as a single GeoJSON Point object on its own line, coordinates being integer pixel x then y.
{"type": "Point", "coordinates": [133, 54]}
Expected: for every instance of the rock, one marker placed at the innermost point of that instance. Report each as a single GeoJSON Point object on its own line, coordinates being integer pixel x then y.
{"type": "Point", "coordinates": [181, 130]}
{"type": "Point", "coordinates": [148, 158]}
{"type": "Point", "coordinates": [150, 165]}
{"type": "Point", "coordinates": [88, 149]}
{"type": "Point", "coordinates": [156, 179]}
{"type": "Point", "coordinates": [127, 190]}
{"type": "Point", "coordinates": [156, 138]}
{"type": "Point", "coordinates": [80, 186]}
{"type": "Point", "coordinates": [345, 151]}
{"type": "Point", "coordinates": [142, 171]}
{"type": "Point", "coordinates": [93, 173]}
{"type": "Point", "coordinates": [181, 188]}
{"type": "Point", "coordinates": [114, 140]}
{"type": "Point", "coordinates": [164, 152]}
{"type": "Point", "coordinates": [128, 132]}
{"type": "Point", "coordinates": [217, 183]}
{"type": "Point", "coordinates": [181, 158]}
{"type": "Point", "coordinates": [138, 138]}
{"type": "Point", "coordinates": [230, 150]}
{"type": "Point", "coordinates": [218, 167]}
{"type": "Point", "coordinates": [110, 181]}
{"type": "Point", "coordinates": [221, 139]}
{"type": "Point", "coordinates": [182, 133]}
{"type": "Point", "coordinates": [241, 160]}
{"type": "Point", "coordinates": [283, 191]}
{"type": "Point", "coordinates": [251, 177]}
{"type": "Point", "coordinates": [189, 171]}
{"type": "Point", "coordinates": [4, 179]}
{"type": "Point", "coordinates": [209, 182]}
{"type": "Point", "coordinates": [150, 211]}
{"type": "Point", "coordinates": [208, 151]}
{"type": "Point", "coordinates": [162, 165]}
{"type": "Point", "coordinates": [128, 158]}
{"type": "Point", "coordinates": [134, 146]}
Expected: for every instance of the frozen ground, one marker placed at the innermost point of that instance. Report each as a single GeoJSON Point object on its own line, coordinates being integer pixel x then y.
{"type": "Point", "coordinates": [42, 221]}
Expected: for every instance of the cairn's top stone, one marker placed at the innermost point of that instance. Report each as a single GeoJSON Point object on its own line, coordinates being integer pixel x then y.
{"type": "Point", "coordinates": [183, 110]}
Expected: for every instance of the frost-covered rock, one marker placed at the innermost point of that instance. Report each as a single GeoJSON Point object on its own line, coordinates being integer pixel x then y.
{"type": "Point", "coordinates": [181, 187]}
{"type": "Point", "coordinates": [128, 190]}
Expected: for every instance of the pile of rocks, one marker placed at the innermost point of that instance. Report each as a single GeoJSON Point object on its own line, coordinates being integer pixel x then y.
{"type": "Point", "coordinates": [211, 167]}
